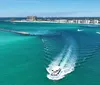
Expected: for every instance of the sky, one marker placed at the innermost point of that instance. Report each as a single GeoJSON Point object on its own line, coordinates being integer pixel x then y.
{"type": "Point", "coordinates": [50, 8]}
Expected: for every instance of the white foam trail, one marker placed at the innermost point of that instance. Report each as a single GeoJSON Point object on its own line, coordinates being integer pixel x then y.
{"type": "Point", "coordinates": [98, 32]}
{"type": "Point", "coordinates": [79, 30]}
{"type": "Point", "coordinates": [66, 60]}
{"type": "Point", "coordinates": [57, 60]}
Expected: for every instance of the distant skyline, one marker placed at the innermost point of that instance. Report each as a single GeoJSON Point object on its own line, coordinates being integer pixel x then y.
{"type": "Point", "coordinates": [50, 8]}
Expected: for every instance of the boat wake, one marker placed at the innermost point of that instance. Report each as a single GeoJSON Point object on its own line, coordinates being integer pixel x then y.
{"type": "Point", "coordinates": [64, 62]}
{"type": "Point", "coordinates": [61, 52]}
{"type": "Point", "coordinates": [98, 32]}
{"type": "Point", "coordinates": [79, 30]}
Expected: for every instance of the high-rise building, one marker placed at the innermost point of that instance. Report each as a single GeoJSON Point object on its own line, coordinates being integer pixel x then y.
{"type": "Point", "coordinates": [31, 18]}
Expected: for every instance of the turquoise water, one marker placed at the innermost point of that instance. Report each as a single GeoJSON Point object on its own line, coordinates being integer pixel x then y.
{"type": "Point", "coordinates": [24, 59]}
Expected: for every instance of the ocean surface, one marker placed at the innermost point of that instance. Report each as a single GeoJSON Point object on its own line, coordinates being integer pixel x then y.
{"type": "Point", "coordinates": [24, 58]}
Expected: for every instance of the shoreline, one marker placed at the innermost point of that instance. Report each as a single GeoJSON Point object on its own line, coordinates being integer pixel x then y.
{"type": "Point", "coordinates": [52, 22]}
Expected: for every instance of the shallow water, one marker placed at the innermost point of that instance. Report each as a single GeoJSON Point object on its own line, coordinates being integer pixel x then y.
{"type": "Point", "coordinates": [24, 59]}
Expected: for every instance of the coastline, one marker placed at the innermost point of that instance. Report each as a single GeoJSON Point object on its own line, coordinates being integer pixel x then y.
{"type": "Point", "coordinates": [67, 20]}
{"type": "Point", "coordinates": [52, 22]}
{"type": "Point", "coordinates": [35, 21]}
